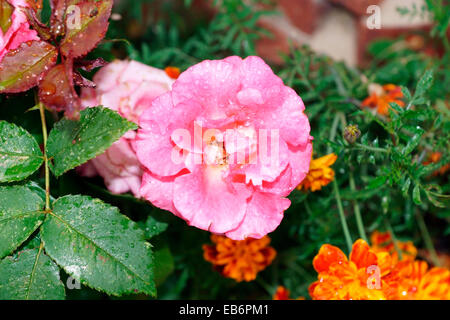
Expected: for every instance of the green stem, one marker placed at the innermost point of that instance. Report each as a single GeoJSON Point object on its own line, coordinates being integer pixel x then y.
{"type": "Point", "coordinates": [265, 286]}
{"type": "Point", "coordinates": [33, 271]}
{"type": "Point", "coordinates": [301, 272]}
{"type": "Point", "coordinates": [374, 149]}
{"type": "Point", "coordinates": [359, 221]}
{"type": "Point", "coordinates": [334, 127]}
{"type": "Point", "coordinates": [389, 228]}
{"type": "Point", "coordinates": [427, 239]}
{"type": "Point", "coordinates": [348, 238]}
{"type": "Point", "coordinates": [47, 170]}
{"type": "Point", "coordinates": [446, 43]}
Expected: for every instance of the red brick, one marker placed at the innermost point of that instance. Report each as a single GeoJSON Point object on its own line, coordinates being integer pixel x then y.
{"type": "Point", "coordinates": [304, 14]}
{"type": "Point", "coordinates": [367, 36]}
{"type": "Point", "coordinates": [358, 7]}
{"type": "Point", "coordinates": [269, 48]}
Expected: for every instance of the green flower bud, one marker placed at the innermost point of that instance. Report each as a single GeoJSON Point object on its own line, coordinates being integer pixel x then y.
{"type": "Point", "coordinates": [352, 133]}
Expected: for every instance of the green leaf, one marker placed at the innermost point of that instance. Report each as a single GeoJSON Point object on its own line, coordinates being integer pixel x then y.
{"type": "Point", "coordinates": [360, 157]}
{"type": "Point", "coordinates": [406, 93]}
{"type": "Point", "coordinates": [405, 187]}
{"type": "Point", "coordinates": [21, 213]}
{"type": "Point", "coordinates": [38, 190]}
{"type": "Point", "coordinates": [434, 201]}
{"type": "Point", "coordinates": [72, 143]}
{"type": "Point", "coordinates": [154, 227]}
{"type": "Point", "coordinates": [30, 276]}
{"type": "Point", "coordinates": [164, 264]}
{"type": "Point", "coordinates": [377, 182]}
{"type": "Point", "coordinates": [396, 107]}
{"type": "Point", "coordinates": [416, 194]}
{"type": "Point", "coordinates": [413, 141]}
{"type": "Point", "coordinates": [20, 155]}
{"type": "Point", "coordinates": [424, 84]}
{"type": "Point", "coordinates": [32, 243]}
{"type": "Point", "coordinates": [98, 246]}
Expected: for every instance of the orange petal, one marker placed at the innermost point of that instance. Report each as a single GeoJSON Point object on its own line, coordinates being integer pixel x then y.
{"type": "Point", "coordinates": [361, 254]}
{"type": "Point", "coordinates": [383, 107]}
{"type": "Point", "coordinates": [384, 261]}
{"type": "Point", "coordinates": [327, 255]}
{"type": "Point", "coordinates": [390, 87]}
{"type": "Point", "coordinates": [281, 294]}
{"type": "Point", "coordinates": [370, 101]}
{"type": "Point", "coordinates": [172, 72]}
{"type": "Point", "coordinates": [380, 238]}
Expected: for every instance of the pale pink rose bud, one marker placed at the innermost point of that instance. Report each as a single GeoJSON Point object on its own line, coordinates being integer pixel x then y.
{"type": "Point", "coordinates": [129, 87]}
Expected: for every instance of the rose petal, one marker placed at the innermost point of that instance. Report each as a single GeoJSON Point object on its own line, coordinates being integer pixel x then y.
{"type": "Point", "coordinates": [264, 214]}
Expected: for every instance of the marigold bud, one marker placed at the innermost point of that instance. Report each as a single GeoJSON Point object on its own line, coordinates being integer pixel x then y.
{"type": "Point", "coordinates": [352, 133]}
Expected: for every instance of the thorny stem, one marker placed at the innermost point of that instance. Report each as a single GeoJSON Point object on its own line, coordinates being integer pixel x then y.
{"type": "Point", "coordinates": [427, 239]}
{"type": "Point", "coordinates": [47, 170]}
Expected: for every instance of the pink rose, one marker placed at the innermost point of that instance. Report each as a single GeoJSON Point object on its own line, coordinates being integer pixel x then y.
{"type": "Point", "coordinates": [203, 146]}
{"type": "Point", "coordinates": [18, 28]}
{"type": "Point", "coordinates": [129, 87]}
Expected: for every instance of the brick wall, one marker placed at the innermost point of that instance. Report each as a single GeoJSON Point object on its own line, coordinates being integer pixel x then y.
{"type": "Point", "coordinates": [335, 27]}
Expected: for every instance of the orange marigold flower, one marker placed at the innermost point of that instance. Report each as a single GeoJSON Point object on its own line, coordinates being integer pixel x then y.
{"type": "Point", "coordinates": [320, 174]}
{"type": "Point", "coordinates": [369, 275]}
{"type": "Point", "coordinates": [239, 260]}
{"type": "Point", "coordinates": [284, 294]}
{"type": "Point", "coordinates": [172, 72]}
{"type": "Point", "coordinates": [357, 278]}
{"type": "Point", "coordinates": [381, 96]}
{"type": "Point", "coordinates": [435, 157]}
{"type": "Point", "coordinates": [382, 241]}
{"type": "Point", "coordinates": [413, 280]}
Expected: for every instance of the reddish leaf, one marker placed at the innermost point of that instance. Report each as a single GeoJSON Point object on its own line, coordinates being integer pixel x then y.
{"type": "Point", "coordinates": [6, 11]}
{"type": "Point", "coordinates": [57, 17]}
{"type": "Point", "coordinates": [42, 29]}
{"type": "Point", "coordinates": [86, 27]}
{"type": "Point", "coordinates": [22, 68]}
{"type": "Point", "coordinates": [89, 65]}
{"type": "Point", "coordinates": [56, 90]}
{"type": "Point", "coordinates": [35, 4]}
{"type": "Point", "coordinates": [81, 81]}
